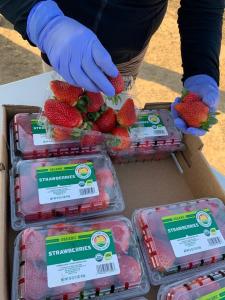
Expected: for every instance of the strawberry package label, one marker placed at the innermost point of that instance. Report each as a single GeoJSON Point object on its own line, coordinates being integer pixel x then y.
{"type": "Point", "coordinates": [66, 182]}
{"type": "Point", "coordinates": [96, 259]}
{"type": "Point", "coordinates": [73, 257]}
{"type": "Point", "coordinates": [40, 137]}
{"type": "Point", "coordinates": [155, 126]}
{"type": "Point", "coordinates": [181, 237]}
{"type": "Point", "coordinates": [29, 140]}
{"type": "Point", "coordinates": [206, 285]}
{"type": "Point", "coordinates": [148, 125]}
{"type": "Point", "coordinates": [52, 190]}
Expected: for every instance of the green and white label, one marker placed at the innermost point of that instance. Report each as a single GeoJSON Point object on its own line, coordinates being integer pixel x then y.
{"type": "Point", "coordinates": [193, 232]}
{"type": "Point", "coordinates": [66, 182]}
{"type": "Point", "coordinates": [39, 134]}
{"type": "Point", "coordinates": [217, 295]}
{"type": "Point", "coordinates": [148, 125]}
{"type": "Point", "coordinates": [80, 257]}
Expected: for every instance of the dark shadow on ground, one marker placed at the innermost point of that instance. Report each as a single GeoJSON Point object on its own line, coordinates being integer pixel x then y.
{"type": "Point", "coordinates": [169, 79]}
{"type": "Point", "coordinates": [16, 62]}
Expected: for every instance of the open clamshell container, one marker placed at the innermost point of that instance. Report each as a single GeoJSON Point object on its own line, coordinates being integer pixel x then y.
{"type": "Point", "coordinates": [96, 259]}
{"type": "Point", "coordinates": [56, 189]}
{"type": "Point", "coordinates": [29, 139]}
{"type": "Point", "coordinates": [178, 238]}
{"type": "Point", "coordinates": [207, 285]}
{"type": "Point", "coordinates": [153, 137]}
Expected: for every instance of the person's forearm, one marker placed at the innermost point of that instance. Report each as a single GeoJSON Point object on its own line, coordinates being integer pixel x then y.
{"type": "Point", "coordinates": [16, 12]}
{"type": "Point", "coordinates": [200, 25]}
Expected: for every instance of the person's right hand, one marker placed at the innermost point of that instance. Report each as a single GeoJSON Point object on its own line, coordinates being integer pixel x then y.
{"type": "Point", "coordinates": [73, 50]}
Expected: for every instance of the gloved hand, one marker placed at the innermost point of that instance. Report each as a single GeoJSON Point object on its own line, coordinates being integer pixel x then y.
{"type": "Point", "coordinates": [73, 50]}
{"type": "Point", "coordinates": [207, 88]}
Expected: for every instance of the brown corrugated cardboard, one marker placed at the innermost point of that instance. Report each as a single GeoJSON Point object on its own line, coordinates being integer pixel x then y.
{"type": "Point", "coordinates": [143, 184]}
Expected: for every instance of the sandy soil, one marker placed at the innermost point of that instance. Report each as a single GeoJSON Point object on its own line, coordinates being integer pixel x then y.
{"type": "Point", "coordinates": [159, 79]}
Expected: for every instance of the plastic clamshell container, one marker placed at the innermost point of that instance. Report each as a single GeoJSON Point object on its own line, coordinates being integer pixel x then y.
{"type": "Point", "coordinates": [178, 238]}
{"type": "Point", "coordinates": [153, 133]}
{"type": "Point", "coordinates": [29, 140]}
{"type": "Point", "coordinates": [53, 190]}
{"type": "Point", "coordinates": [97, 259]}
{"type": "Point", "coordinates": [207, 285]}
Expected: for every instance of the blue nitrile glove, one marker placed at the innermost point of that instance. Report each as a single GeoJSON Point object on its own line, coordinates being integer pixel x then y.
{"type": "Point", "coordinates": [206, 87]}
{"type": "Point", "coordinates": [73, 50]}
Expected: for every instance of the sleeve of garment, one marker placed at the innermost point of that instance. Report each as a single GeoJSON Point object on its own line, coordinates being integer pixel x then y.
{"type": "Point", "coordinates": [200, 25]}
{"type": "Point", "coordinates": [17, 11]}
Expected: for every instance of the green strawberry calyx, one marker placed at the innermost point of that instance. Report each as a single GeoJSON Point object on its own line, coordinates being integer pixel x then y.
{"type": "Point", "coordinates": [212, 120]}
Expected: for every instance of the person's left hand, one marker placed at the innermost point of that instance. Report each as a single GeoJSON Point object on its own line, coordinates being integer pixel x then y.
{"type": "Point", "coordinates": [206, 87]}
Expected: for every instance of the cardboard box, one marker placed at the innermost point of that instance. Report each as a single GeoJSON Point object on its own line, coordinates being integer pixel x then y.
{"type": "Point", "coordinates": [143, 184]}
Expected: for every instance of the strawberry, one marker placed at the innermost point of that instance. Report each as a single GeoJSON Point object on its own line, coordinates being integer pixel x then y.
{"type": "Point", "coordinates": [122, 139]}
{"type": "Point", "coordinates": [126, 116]}
{"type": "Point", "coordinates": [92, 138]}
{"type": "Point", "coordinates": [66, 92]}
{"type": "Point", "coordinates": [196, 114]}
{"type": "Point", "coordinates": [190, 97]}
{"type": "Point", "coordinates": [107, 121]}
{"type": "Point", "coordinates": [117, 83]}
{"type": "Point", "coordinates": [95, 101]}
{"type": "Point", "coordinates": [59, 113]}
{"type": "Point", "coordinates": [104, 178]}
{"type": "Point", "coordinates": [104, 283]}
{"type": "Point", "coordinates": [35, 280]}
{"type": "Point", "coordinates": [33, 245]}
{"type": "Point", "coordinates": [130, 271]}
{"type": "Point", "coordinates": [61, 134]}
{"type": "Point", "coordinates": [164, 258]}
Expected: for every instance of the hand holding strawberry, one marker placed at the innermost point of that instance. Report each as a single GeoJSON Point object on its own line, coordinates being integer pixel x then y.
{"type": "Point", "coordinates": [194, 113]}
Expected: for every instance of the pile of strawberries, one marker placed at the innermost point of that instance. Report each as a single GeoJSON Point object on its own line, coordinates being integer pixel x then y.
{"type": "Point", "coordinates": [81, 114]}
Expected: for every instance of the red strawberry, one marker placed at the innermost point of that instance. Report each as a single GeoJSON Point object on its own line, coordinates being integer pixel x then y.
{"type": "Point", "coordinates": [164, 257]}
{"type": "Point", "coordinates": [122, 140]}
{"type": "Point", "coordinates": [33, 245]}
{"type": "Point", "coordinates": [196, 114]}
{"type": "Point", "coordinates": [96, 203]}
{"type": "Point", "coordinates": [66, 92]}
{"type": "Point", "coordinates": [61, 134]}
{"type": "Point", "coordinates": [59, 113]}
{"type": "Point", "coordinates": [120, 231]}
{"type": "Point", "coordinates": [95, 101]}
{"type": "Point", "coordinates": [104, 283]}
{"type": "Point", "coordinates": [68, 291]}
{"type": "Point", "coordinates": [126, 116]}
{"type": "Point", "coordinates": [107, 121]}
{"type": "Point", "coordinates": [35, 285]}
{"type": "Point", "coordinates": [92, 138]}
{"type": "Point", "coordinates": [104, 178]}
{"type": "Point", "coordinates": [61, 229]}
{"type": "Point", "coordinates": [130, 271]}
{"type": "Point", "coordinates": [190, 97]}
{"type": "Point", "coordinates": [117, 83]}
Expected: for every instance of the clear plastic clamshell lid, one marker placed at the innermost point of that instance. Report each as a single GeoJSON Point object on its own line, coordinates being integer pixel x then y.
{"type": "Point", "coordinates": [178, 238]}
{"type": "Point", "coordinates": [96, 259]}
{"type": "Point", "coordinates": [207, 285]}
{"type": "Point", "coordinates": [29, 139]}
{"type": "Point", "coordinates": [153, 137]}
{"type": "Point", "coordinates": [56, 189]}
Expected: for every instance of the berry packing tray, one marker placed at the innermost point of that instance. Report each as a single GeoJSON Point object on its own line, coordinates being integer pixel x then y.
{"type": "Point", "coordinates": [29, 140]}
{"type": "Point", "coordinates": [45, 268]}
{"type": "Point", "coordinates": [56, 189]}
{"type": "Point", "coordinates": [153, 133]}
{"type": "Point", "coordinates": [178, 238]}
{"type": "Point", "coordinates": [207, 285]}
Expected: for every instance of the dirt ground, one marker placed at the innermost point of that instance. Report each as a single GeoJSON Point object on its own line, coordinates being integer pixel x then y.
{"type": "Point", "coordinates": [159, 79]}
